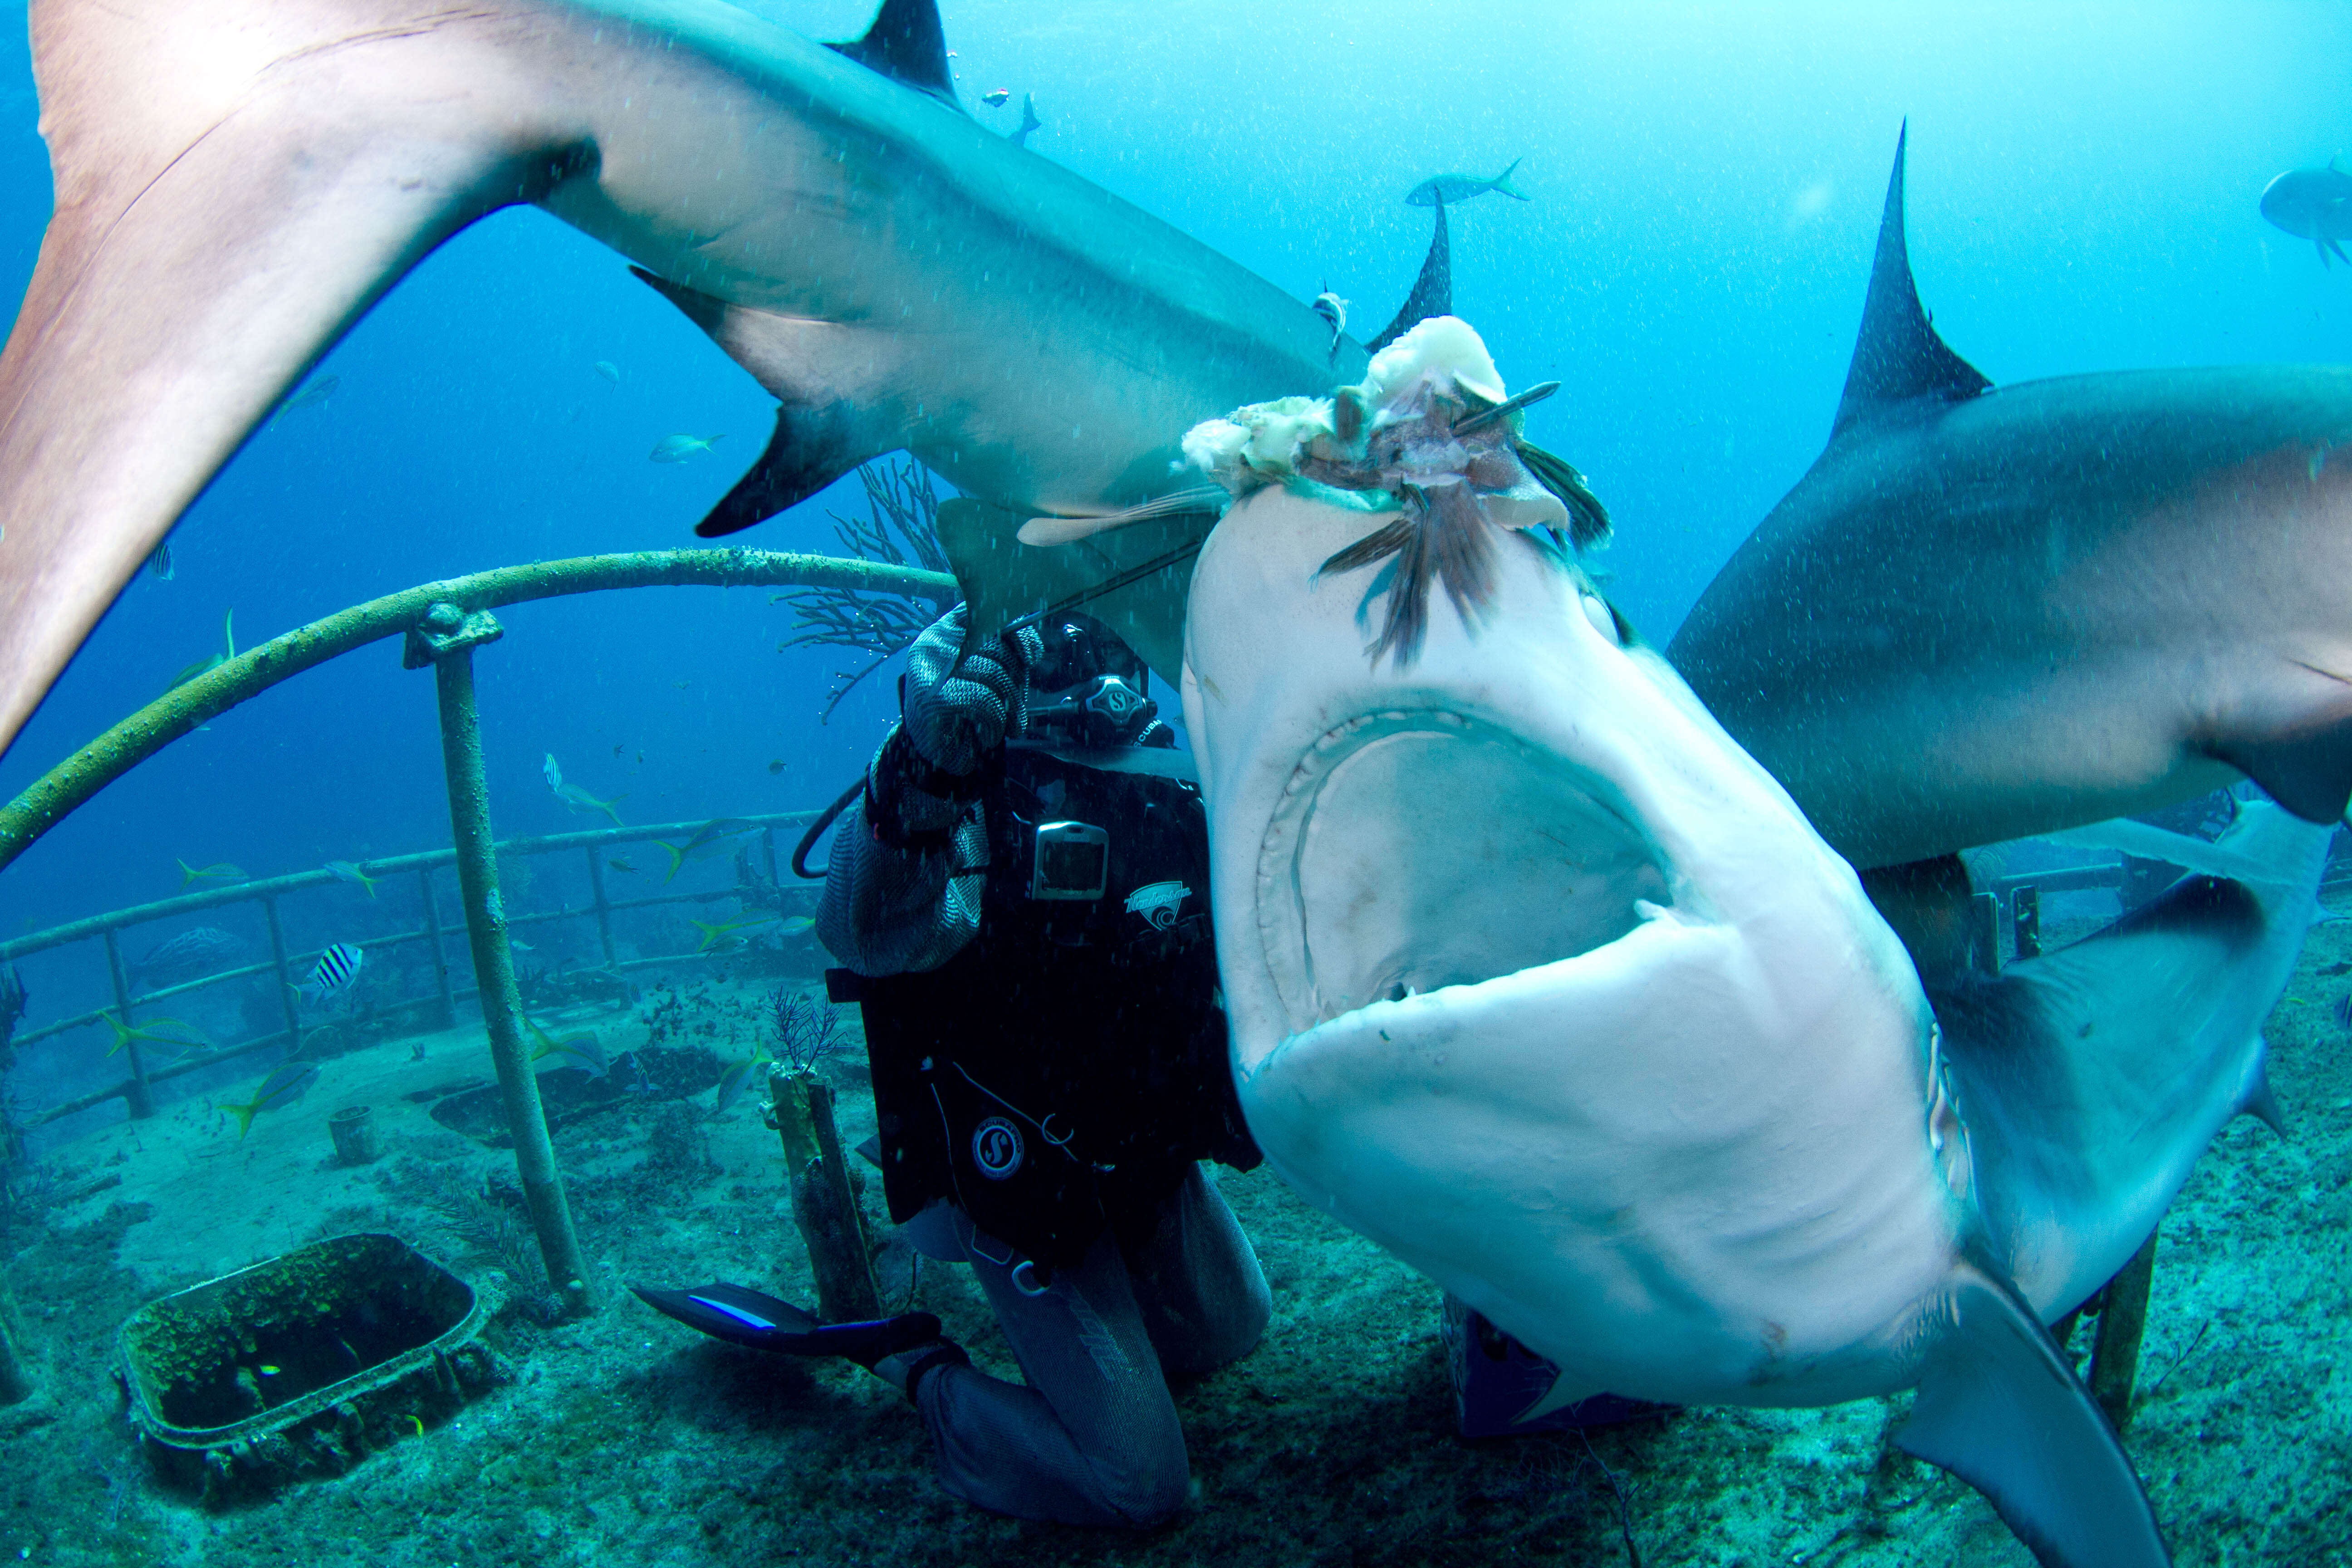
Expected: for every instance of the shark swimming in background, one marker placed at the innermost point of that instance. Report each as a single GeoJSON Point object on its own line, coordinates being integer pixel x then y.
{"type": "Point", "coordinates": [238, 181]}
{"type": "Point", "coordinates": [1987, 613]}
{"type": "Point", "coordinates": [1539, 982]}
{"type": "Point", "coordinates": [2314, 205]}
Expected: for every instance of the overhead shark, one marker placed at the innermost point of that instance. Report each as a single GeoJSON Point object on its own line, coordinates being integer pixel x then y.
{"type": "Point", "coordinates": [1990, 611]}
{"type": "Point", "coordinates": [238, 181]}
{"type": "Point", "coordinates": [1537, 980]}
{"type": "Point", "coordinates": [2314, 205]}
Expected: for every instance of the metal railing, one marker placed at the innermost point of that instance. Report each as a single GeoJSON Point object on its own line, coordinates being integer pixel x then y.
{"type": "Point", "coordinates": [442, 625]}
{"type": "Point", "coordinates": [285, 964]}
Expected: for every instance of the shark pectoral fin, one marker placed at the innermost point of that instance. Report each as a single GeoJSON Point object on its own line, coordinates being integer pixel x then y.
{"type": "Point", "coordinates": [209, 242]}
{"type": "Point", "coordinates": [2258, 1100]}
{"type": "Point", "coordinates": [2320, 246]}
{"type": "Point", "coordinates": [1562, 1394]}
{"type": "Point", "coordinates": [1004, 580]}
{"type": "Point", "coordinates": [838, 401]}
{"type": "Point", "coordinates": [2309, 774]}
{"type": "Point", "coordinates": [1998, 1408]}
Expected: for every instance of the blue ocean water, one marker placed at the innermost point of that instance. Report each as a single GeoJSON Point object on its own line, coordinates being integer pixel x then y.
{"type": "Point", "coordinates": [1705, 187]}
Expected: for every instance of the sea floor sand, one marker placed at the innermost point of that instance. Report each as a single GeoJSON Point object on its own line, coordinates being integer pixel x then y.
{"type": "Point", "coordinates": [621, 1438]}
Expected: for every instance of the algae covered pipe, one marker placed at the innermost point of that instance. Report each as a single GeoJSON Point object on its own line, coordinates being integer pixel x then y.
{"type": "Point", "coordinates": [446, 639]}
{"type": "Point", "coordinates": [64, 789]}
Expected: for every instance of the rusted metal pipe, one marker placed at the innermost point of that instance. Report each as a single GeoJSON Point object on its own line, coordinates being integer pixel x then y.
{"type": "Point", "coordinates": [446, 639]}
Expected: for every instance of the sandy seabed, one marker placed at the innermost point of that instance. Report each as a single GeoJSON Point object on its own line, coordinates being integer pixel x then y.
{"type": "Point", "coordinates": [622, 1439]}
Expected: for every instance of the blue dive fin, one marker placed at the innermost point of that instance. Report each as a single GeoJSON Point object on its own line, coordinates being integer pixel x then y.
{"type": "Point", "coordinates": [1897, 357]}
{"type": "Point", "coordinates": [2091, 1079]}
{"type": "Point", "coordinates": [1998, 1408]}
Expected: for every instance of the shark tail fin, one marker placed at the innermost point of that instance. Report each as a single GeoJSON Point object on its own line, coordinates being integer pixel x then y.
{"type": "Point", "coordinates": [1502, 182]}
{"type": "Point", "coordinates": [1999, 1408]}
{"type": "Point", "coordinates": [1433, 292]}
{"type": "Point", "coordinates": [237, 182]}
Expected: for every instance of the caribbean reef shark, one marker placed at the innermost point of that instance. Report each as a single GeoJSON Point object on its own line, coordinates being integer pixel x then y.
{"type": "Point", "coordinates": [1539, 982]}
{"type": "Point", "coordinates": [1990, 612]}
{"type": "Point", "coordinates": [238, 181]}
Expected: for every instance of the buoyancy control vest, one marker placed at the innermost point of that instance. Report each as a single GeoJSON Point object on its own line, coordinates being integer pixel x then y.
{"type": "Point", "coordinates": [1064, 1071]}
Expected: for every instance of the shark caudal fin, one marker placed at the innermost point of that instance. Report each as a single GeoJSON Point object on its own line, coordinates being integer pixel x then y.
{"type": "Point", "coordinates": [2092, 1076]}
{"type": "Point", "coordinates": [237, 182]}
{"type": "Point", "coordinates": [1999, 1408]}
{"type": "Point", "coordinates": [1898, 360]}
{"type": "Point", "coordinates": [1433, 292]}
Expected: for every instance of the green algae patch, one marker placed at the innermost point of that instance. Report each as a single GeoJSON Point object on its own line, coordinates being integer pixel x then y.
{"type": "Point", "coordinates": [301, 1365]}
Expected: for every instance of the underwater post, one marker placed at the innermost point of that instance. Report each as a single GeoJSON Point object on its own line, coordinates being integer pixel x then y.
{"type": "Point", "coordinates": [16, 1380]}
{"type": "Point", "coordinates": [800, 1107]}
{"type": "Point", "coordinates": [446, 639]}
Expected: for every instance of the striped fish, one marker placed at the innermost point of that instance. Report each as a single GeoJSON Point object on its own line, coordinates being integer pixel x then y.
{"type": "Point", "coordinates": [334, 973]}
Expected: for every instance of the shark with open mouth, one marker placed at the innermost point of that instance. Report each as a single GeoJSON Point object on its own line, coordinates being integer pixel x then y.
{"type": "Point", "coordinates": [1540, 981]}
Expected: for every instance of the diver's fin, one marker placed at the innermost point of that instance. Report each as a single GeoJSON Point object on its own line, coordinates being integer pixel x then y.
{"type": "Point", "coordinates": [2309, 774]}
{"type": "Point", "coordinates": [747, 1317]}
{"type": "Point", "coordinates": [209, 242]}
{"type": "Point", "coordinates": [835, 412]}
{"type": "Point", "coordinates": [1897, 358]}
{"type": "Point", "coordinates": [1999, 1408]}
{"type": "Point", "coordinates": [1433, 292]}
{"type": "Point", "coordinates": [907, 45]}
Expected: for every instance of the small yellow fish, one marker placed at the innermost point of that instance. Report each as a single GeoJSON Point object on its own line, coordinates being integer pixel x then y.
{"type": "Point", "coordinates": [619, 865]}
{"type": "Point", "coordinates": [268, 1370]}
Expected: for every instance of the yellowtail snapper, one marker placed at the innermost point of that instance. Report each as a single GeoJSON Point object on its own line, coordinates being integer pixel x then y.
{"type": "Point", "coordinates": [679, 448]}
{"type": "Point", "coordinates": [707, 840]}
{"type": "Point", "coordinates": [145, 1034]}
{"type": "Point", "coordinates": [581, 1050]}
{"type": "Point", "coordinates": [220, 871]}
{"type": "Point", "coordinates": [210, 662]}
{"type": "Point", "coordinates": [724, 930]}
{"type": "Point", "coordinates": [288, 1081]}
{"type": "Point", "coordinates": [731, 1080]}
{"type": "Point", "coordinates": [344, 871]}
{"type": "Point", "coordinates": [1447, 189]}
{"type": "Point", "coordinates": [575, 798]}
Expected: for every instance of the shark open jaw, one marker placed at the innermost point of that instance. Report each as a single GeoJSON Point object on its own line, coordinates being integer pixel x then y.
{"type": "Point", "coordinates": [1537, 980]}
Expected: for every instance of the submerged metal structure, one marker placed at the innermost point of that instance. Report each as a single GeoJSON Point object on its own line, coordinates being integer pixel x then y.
{"type": "Point", "coordinates": [441, 625]}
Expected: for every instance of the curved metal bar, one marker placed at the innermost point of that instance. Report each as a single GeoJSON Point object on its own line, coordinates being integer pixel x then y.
{"type": "Point", "coordinates": [64, 789]}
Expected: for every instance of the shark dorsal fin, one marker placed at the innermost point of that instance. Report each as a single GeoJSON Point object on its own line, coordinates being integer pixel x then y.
{"type": "Point", "coordinates": [1898, 358]}
{"type": "Point", "coordinates": [907, 45]}
{"type": "Point", "coordinates": [2341, 163]}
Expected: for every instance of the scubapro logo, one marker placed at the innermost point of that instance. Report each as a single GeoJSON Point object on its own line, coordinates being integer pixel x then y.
{"type": "Point", "coordinates": [1157, 903]}
{"type": "Point", "coordinates": [996, 1148]}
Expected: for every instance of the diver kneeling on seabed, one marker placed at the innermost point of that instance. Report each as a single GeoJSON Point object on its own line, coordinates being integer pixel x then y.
{"type": "Point", "coordinates": [1021, 898]}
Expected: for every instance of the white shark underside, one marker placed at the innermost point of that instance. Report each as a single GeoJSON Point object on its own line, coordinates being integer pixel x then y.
{"type": "Point", "coordinates": [238, 180]}
{"type": "Point", "coordinates": [1539, 982]}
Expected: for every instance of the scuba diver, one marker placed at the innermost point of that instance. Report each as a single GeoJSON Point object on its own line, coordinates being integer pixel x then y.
{"type": "Point", "coordinates": [1020, 897]}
